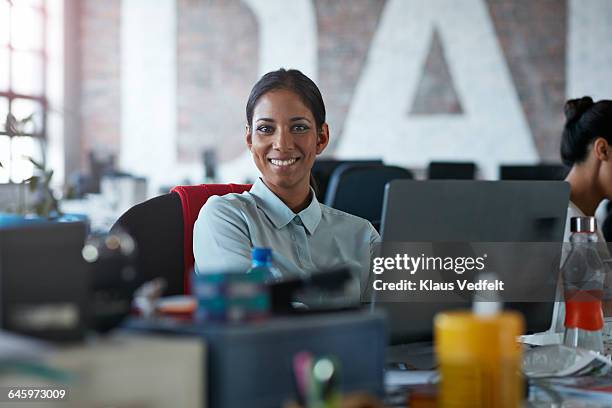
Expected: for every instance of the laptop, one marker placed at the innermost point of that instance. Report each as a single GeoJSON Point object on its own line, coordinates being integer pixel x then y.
{"type": "Point", "coordinates": [469, 211]}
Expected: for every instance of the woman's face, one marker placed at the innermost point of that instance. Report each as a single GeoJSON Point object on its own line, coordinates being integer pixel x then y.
{"type": "Point", "coordinates": [603, 152]}
{"type": "Point", "coordinates": [284, 140]}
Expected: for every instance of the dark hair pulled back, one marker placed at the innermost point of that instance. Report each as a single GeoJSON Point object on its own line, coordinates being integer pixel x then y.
{"type": "Point", "coordinates": [291, 80]}
{"type": "Point", "coordinates": [585, 121]}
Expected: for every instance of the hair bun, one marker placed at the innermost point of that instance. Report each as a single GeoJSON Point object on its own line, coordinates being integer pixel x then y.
{"type": "Point", "coordinates": [574, 108]}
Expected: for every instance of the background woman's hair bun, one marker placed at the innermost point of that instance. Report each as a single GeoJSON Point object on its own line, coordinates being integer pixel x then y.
{"type": "Point", "coordinates": [574, 108]}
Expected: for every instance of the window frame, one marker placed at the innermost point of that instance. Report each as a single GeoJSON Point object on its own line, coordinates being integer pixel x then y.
{"type": "Point", "coordinates": [10, 95]}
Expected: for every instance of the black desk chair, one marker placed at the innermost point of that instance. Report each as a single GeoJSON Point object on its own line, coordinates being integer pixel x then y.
{"type": "Point", "coordinates": [162, 228]}
{"type": "Point", "coordinates": [157, 228]}
{"type": "Point", "coordinates": [550, 172]}
{"type": "Point", "coordinates": [451, 171]}
{"type": "Point", "coordinates": [360, 189]}
{"type": "Point", "coordinates": [323, 169]}
{"type": "Point", "coordinates": [606, 225]}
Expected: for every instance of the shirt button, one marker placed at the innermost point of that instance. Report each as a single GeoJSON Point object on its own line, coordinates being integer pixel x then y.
{"type": "Point", "coordinates": [293, 237]}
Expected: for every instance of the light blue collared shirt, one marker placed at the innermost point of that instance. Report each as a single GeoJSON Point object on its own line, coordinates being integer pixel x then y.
{"type": "Point", "coordinates": [317, 238]}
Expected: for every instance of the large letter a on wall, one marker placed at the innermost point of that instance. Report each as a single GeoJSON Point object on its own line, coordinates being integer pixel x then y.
{"type": "Point", "coordinates": [492, 128]}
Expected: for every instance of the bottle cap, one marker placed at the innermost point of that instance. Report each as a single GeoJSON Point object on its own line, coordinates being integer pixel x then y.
{"type": "Point", "coordinates": [583, 224]}
{"type": "Point", "coordinates": [261, 254]}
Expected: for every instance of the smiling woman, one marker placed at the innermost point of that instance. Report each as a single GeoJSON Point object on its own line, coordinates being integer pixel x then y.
{"type": "Point", "coordinates": [284, 140]}
{"type": "Point", "coordinates": [285, 131]}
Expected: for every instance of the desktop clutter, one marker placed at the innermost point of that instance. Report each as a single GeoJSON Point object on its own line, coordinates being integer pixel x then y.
{"type": "Point", "coordinates": [255, 339]}
{"type": "Point", "coordinates": [69, 324]}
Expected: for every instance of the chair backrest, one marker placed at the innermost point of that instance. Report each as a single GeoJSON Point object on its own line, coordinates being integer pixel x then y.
{"type": "Point", "coordinates": [606, 225]}
{"type": "Point", "coordinates": [157, 228]}
{"type": "Point", "coordinates": [192, 200]}
{"type": "Point", "coordinates": [542, 171]}
{"type": "Point", "coordinates": [323, 168]}
{"type": "Point", "coordinates": [163, 230]}
{"type": "Point", "coordinates": [451, 171]}
{"type": "Point", "coordinates": [359, 189]}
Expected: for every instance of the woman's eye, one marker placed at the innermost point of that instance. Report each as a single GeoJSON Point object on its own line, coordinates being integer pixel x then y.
{"type": "Point", "coordinates": [265, 129]}
{"type": "Point", "coordinates": [300, 128]}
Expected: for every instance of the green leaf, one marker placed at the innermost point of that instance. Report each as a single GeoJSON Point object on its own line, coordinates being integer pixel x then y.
{"type": "Point", "coordinates": [27, 119]}
{"type": "Point", "coordinates": [32, 182]}
{"type": "Point", "coordinates": [48, 176]}
{"type": "Point", "coordinates": [36, 164]}
{"type": "Point", "coordinates": [10, 125]}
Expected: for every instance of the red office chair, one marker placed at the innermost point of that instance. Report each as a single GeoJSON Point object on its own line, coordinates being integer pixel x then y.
{"type": "Point", "coordinates": [192, 200]}
{"type": "Point", "coordinates": [163, 230]}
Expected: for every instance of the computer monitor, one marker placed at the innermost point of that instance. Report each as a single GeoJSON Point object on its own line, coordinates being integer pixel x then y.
{"type": "Point", "coordinates": [451, 171]}
{"type": "Point", "coordinates": [469, 211]}
{"type": "Point", "coordinates": [44, 281]}
{"type": "Point", "coordinates": [533, 172]}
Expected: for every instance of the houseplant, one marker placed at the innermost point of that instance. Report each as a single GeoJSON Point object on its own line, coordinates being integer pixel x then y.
{"type": "Point", "coordinates": [44, 202]}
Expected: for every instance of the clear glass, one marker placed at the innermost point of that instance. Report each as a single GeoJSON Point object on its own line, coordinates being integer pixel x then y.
{"type": "Point", "coordinates": [268, 270]}
{"type": "Point", "coordinates": [21, 168]}
{"type": "Point", "coordinates": [22, 108]}
{"type": "Point", "coordinates": [4, 23]}
{"type": "Point", "coordinates": [5, 156]}
{"type": "Point", "coordinates": [4, 108]}
{"type": "Point", "coordinates": [27, 73]}
{"type": "Point", "coordinates": [583, 278]}
{"type": "Point", "coordinates": [4, 69]}
{"type": "Point", "coordinates": [586, 339]}
{"type": "Point", "coordinates": [607, 335]}
{"type": "Point", "coordinates": [26, 28]}
{"type": "Point", "coordinates": [31, 3]}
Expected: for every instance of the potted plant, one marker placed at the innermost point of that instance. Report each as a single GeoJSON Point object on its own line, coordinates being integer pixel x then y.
{"type": "Point", "coordinates": [44, 203]}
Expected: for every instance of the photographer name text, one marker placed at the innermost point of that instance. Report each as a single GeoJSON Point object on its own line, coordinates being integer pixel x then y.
{"type": "Point", "coordinates": [429, 285]}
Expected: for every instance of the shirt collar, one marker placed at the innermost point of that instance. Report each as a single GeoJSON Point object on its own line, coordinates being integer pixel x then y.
{"type": "Point", "coordinates": [575, 208]}
{"type": "Point", "coordinates": [280, 214]}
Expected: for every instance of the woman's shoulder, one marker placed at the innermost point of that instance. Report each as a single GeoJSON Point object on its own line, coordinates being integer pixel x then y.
{"type": "Point", "coordinates": [232, 203]}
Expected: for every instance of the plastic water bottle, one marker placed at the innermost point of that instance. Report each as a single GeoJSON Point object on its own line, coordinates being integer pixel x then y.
{"type": "Point", "coordinates": [583, 278]}
{"type": "Point", "coordinates": [261, 263]}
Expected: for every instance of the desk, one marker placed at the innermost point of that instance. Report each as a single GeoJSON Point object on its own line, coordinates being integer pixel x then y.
{"type": "Point", "coordinates": [122, 371]}
{"type": "Point", "coordinates": [257, 358]}
{"type": "Point", "coordinates": [131, 369]}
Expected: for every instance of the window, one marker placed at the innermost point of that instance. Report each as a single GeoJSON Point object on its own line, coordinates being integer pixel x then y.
{"type": "Point", "coordinates": [23, 65]}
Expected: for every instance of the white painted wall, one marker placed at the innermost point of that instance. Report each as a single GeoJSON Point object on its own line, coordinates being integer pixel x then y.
{"type": "Point", "coordinates": [55, 91]}
{"type": "Point", "coordinates": [148, 90]}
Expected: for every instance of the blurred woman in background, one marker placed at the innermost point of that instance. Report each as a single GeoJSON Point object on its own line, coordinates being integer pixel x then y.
{"type": "Point", "coordinates": [586, 147]}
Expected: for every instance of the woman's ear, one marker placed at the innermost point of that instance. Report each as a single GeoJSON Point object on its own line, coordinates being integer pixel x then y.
{"type": "Point", "coordinates": [248, 137]}
{"type": "Point", "coordinates": [322, 138]}
{"type": "Point", "coordinates": [600, 147]}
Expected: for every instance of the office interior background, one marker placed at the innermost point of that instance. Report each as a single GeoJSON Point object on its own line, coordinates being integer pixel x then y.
{"type": "Point", "coordinates": [112, 102]}
{"type": "Point", "coordinates": [151, 88]}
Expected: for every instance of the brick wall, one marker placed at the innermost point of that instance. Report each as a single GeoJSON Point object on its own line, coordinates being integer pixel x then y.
{"type": "Point", "coordinates": [100, 87]}
{"type": "Point", "coordinates": [217, 65]}
{"type": "Point", "coordinates": [217, 60]}
{"type": "Point", "coordinates": [532, 35]}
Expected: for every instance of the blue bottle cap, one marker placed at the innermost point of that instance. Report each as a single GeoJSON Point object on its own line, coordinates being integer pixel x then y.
{"type": "Point", "coordinates": [261, 254]}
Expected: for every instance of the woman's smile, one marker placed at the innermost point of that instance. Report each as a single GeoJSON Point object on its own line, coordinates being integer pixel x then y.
{"type": "Point", "coordinates": [284, 163]}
